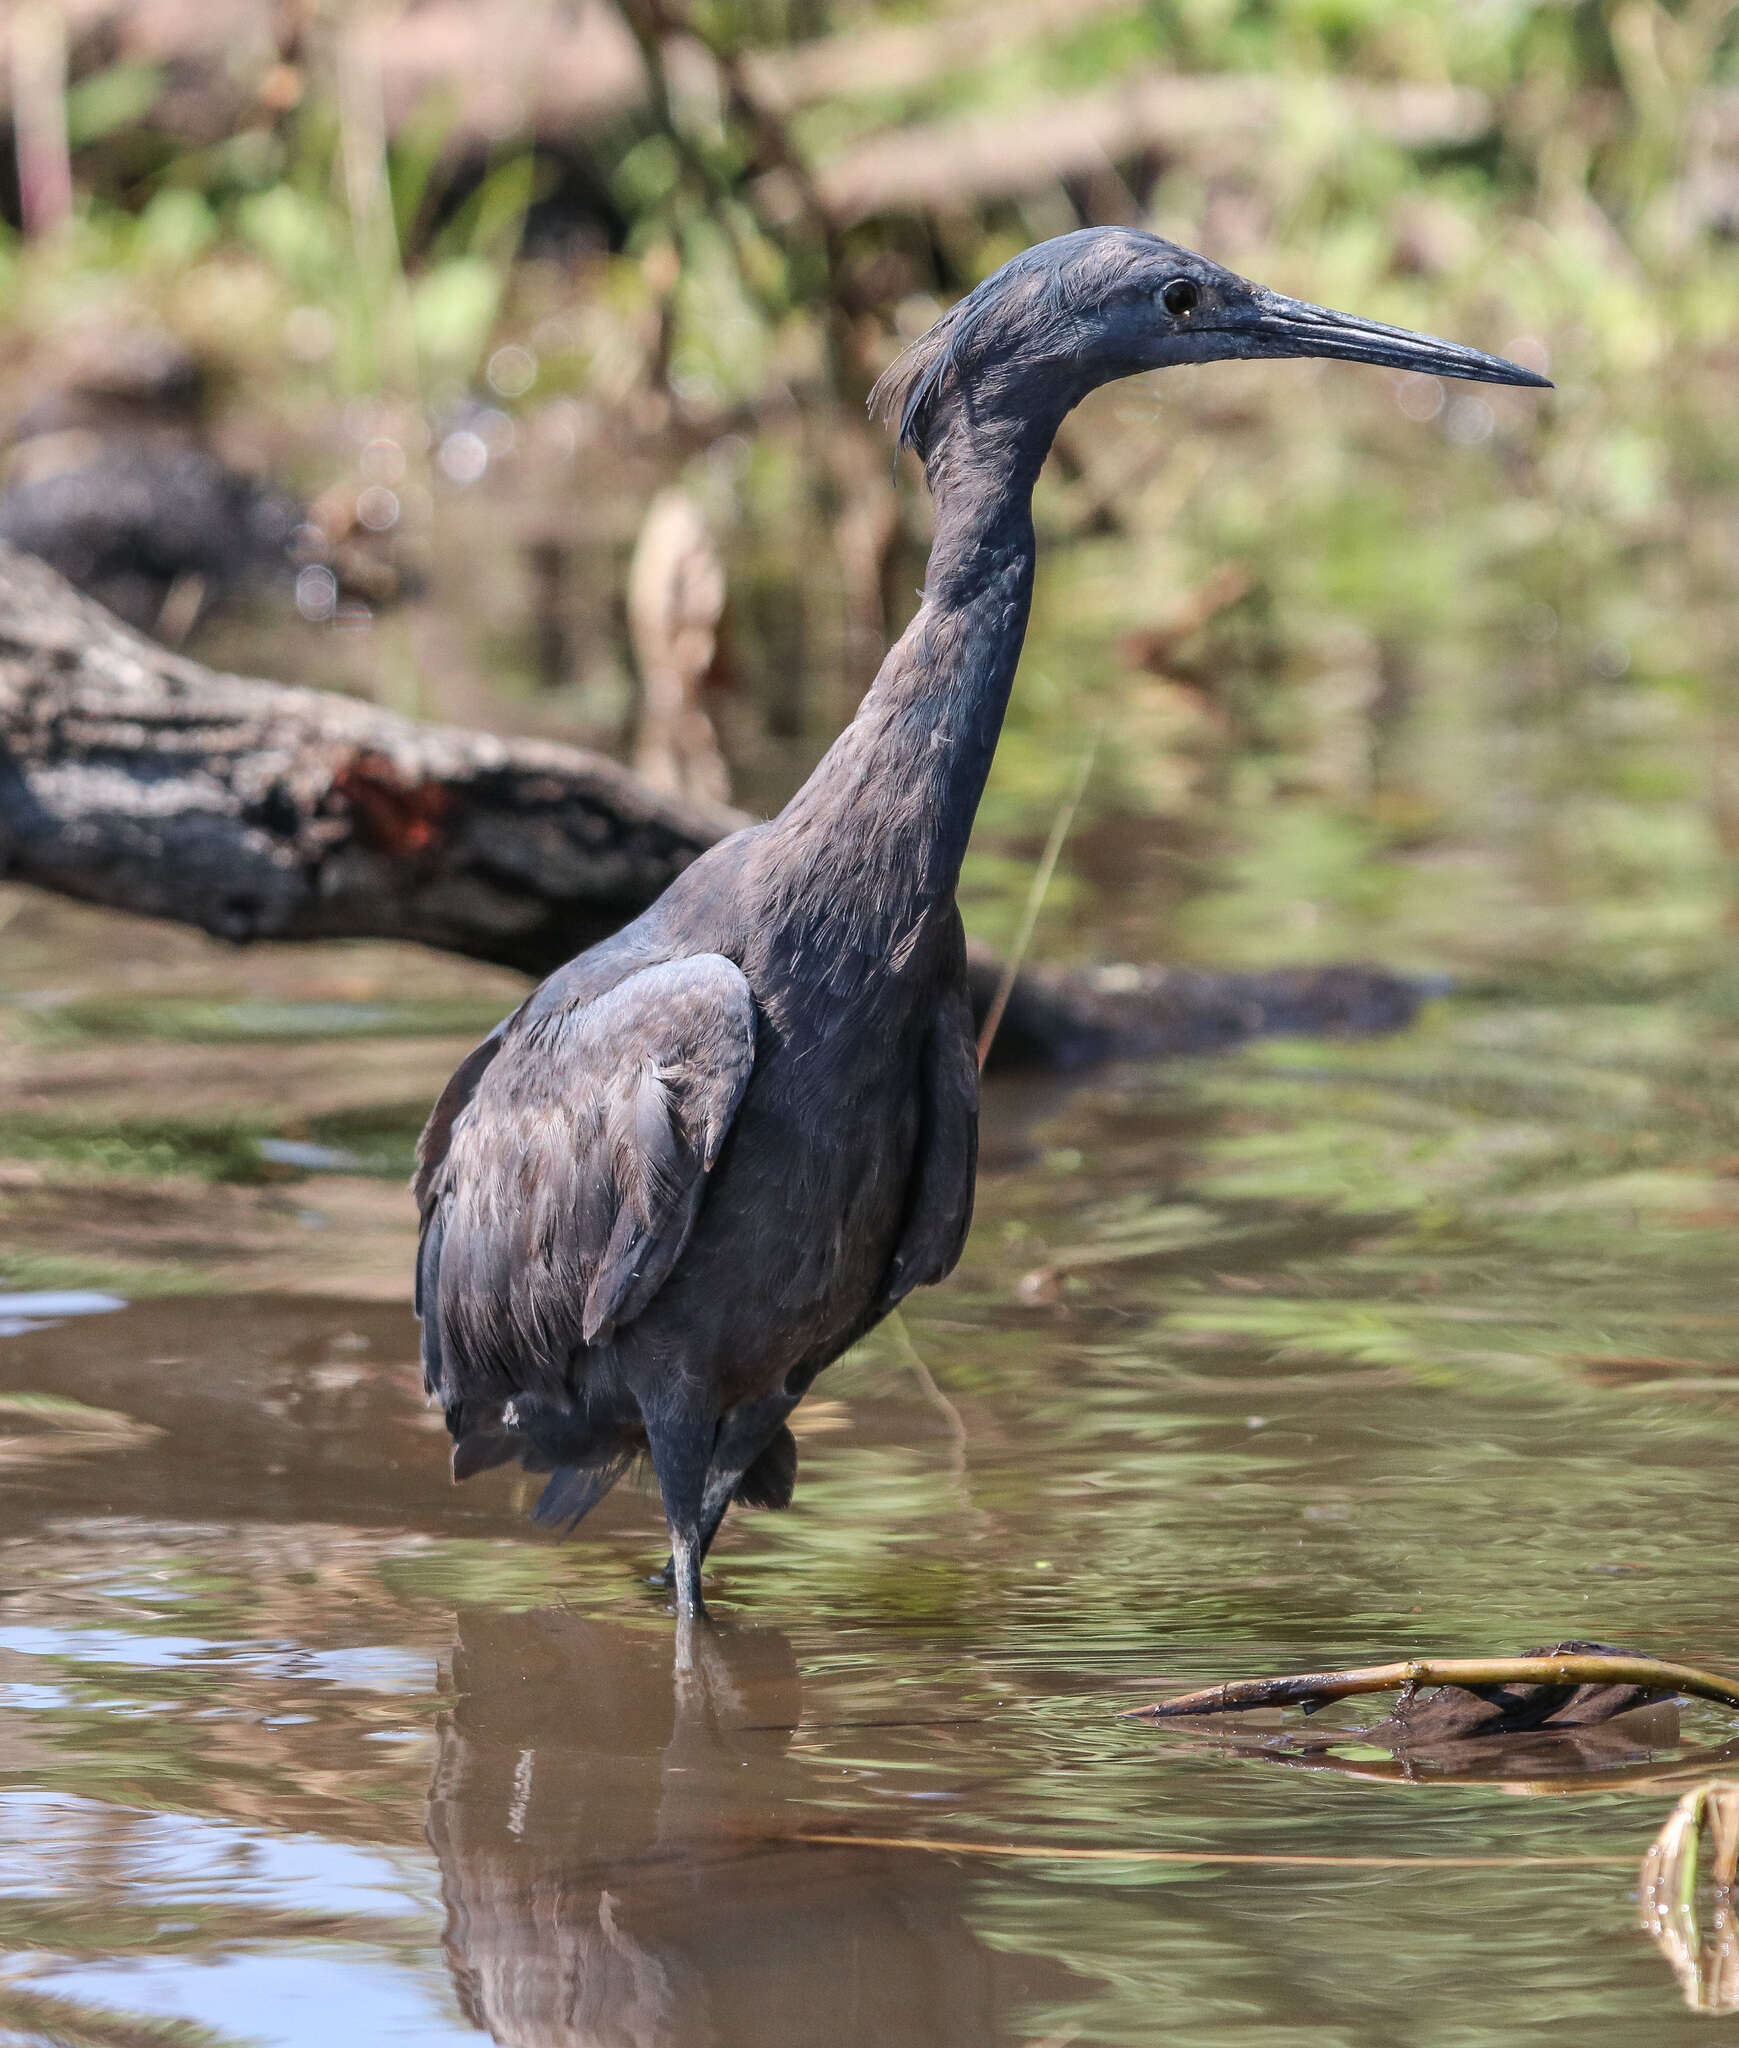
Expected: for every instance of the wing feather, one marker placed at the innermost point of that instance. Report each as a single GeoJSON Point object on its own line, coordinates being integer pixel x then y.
{"type": "Point", "coordinates": [427, 1283]}
{"type": "Point", "coordinates": [574, 1173]}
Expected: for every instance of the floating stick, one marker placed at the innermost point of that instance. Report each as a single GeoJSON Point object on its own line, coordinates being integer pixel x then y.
{"type": "Point", "coordinates": [1317, 1688]}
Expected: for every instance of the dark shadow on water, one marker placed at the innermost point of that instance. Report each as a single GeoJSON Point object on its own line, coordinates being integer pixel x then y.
{"type": "Point", "coordinates": [1635, 1750]}
{"type": "Point", "coordinates": [595, 1808]}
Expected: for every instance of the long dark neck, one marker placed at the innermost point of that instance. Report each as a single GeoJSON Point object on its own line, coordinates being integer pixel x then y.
{"type": "Point", "coordinates": [891, 806]}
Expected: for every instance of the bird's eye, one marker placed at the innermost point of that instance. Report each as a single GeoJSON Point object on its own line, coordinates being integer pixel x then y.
{"type": "Point", "coordinates": [1180, 297]}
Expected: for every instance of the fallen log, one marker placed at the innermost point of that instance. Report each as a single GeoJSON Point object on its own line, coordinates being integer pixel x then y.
{"type": "Point", "coordinates": [134, 777]}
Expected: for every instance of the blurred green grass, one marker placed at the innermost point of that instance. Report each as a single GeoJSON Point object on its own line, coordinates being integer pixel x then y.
{"type": "Point", "coordinates": [1479, 693]}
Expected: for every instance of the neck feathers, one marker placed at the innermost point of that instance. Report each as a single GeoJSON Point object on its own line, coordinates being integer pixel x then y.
{"type": "Point", "coordinates": [890, 808]}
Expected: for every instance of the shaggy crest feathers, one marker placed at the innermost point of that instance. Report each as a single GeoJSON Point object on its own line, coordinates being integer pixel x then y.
{"type": "Point", "coordinates": [1043, 288]}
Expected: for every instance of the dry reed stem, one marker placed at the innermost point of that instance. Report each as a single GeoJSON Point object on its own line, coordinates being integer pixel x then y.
{"type": "Point", "coordinates": [1035, 899]}
{"type": "Point", "coordinates": [1319, 1687]}
{"type": "Point", "coordinates": [1707, 1967]}
{"type": "Point", "coordinates": [951, 1416]}
{"type": "Point", "coordinates": [40, 138]}
{"type": "Point", "coordinates": [676, 602]}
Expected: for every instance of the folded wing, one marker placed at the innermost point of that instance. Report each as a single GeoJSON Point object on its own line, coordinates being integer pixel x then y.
{"type": "Point", "coordinates": [573, 1174]}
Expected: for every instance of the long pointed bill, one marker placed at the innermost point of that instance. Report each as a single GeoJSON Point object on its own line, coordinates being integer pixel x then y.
{"type": "Point", "coordinates": [1289, 327]}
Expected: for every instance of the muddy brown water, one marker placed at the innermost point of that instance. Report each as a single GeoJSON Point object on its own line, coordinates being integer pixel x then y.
{"type": "Point", "coordinates": [1315, 1353]}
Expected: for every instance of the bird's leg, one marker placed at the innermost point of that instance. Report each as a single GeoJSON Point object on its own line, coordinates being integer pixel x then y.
{"type": "Point", "coordinates": [681, 1442]}
{"type": "Point", "coordinates": [743, 1435]}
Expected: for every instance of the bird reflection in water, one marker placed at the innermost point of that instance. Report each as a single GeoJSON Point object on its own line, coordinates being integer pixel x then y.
{"type": "Point", "coordinates": [606, 1807]}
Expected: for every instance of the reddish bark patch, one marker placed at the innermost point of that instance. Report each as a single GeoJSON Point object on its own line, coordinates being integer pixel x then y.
{"type": "Point", "coordinates": [393, 816]}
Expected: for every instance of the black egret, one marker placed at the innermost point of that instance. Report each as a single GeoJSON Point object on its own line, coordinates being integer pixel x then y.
{"type": "Point", "coordinates": [707, 1155]}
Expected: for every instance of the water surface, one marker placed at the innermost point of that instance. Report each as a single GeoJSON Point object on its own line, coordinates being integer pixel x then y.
{"type": "Point", "coordinates": [1315, 1353]}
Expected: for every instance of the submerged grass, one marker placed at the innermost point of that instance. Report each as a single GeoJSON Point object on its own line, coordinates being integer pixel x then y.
{"type": "Point", "coordinates": [1207, 1858]}
{"type": "Point", "coordinates": [237, 1151]}
{"type": "Point", "coordinates": [141, 1147]}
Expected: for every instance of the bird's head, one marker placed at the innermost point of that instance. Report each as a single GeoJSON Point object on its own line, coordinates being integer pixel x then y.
{"type": "Point", "coordinates": [1070, 314]}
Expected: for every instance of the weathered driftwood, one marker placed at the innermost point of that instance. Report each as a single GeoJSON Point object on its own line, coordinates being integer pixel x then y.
{"type": "Point", "coordinates": [966, 160]}
{"type": "Point", "coordinates": [549, 67]}
{"type": "Point", "coordinates": [135, 777]}
{"type": "Point", "coordinates": [899, 55]}
{"type": "Point", "coordinates": [555, 70]}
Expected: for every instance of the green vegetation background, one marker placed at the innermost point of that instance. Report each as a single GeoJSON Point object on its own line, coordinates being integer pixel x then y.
{"type": "Point", "coordinates": [1476, 700]}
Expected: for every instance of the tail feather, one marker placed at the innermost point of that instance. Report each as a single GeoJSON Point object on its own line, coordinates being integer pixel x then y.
{"type": "Point", "coordinates": [481, 1450]}
{"type": "Point", "coordinates": [772, 1479]}
{"type": "Point", "coordinates": [574, 1490]}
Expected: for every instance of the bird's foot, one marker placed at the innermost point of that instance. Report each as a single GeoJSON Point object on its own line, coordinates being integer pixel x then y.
{"type": "Point", "coordinates": [665, 1579]}
{"type": "Point", "coordinates": [684, 1578]}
